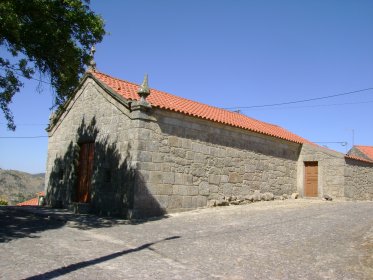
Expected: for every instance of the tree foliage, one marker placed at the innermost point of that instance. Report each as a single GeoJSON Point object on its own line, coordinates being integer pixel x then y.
{"type": "Point", "coordinates": [49, 37]}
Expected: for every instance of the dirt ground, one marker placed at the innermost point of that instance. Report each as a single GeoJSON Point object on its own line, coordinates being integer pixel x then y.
{"type": "Point", "coordinates": [292, 239]}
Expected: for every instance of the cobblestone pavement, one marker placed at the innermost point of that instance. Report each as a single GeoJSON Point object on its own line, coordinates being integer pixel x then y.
{"type": "Point", "coordinates": [293, 239]}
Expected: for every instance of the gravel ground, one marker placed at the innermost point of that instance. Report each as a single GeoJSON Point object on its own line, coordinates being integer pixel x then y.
{"type": "Point", "coordinates": [292, 239]}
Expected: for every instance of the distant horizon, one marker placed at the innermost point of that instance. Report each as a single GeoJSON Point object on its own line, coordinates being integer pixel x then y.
{"type": "Point", "coordinates": [37, 173]}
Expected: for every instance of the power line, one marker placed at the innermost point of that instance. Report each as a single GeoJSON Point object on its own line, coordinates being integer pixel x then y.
{"type": "Point", "coordinates": [259, 106]}
{"type": "Point", "coordinates": [301, 101]}
{"type": "Point", "coordinates": [321, 105]}
{"type": "Point", "coordinates": [343, 143]}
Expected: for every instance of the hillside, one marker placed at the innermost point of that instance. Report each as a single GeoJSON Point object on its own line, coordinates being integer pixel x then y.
{"type": "Point", "coordinates": [17, 186]}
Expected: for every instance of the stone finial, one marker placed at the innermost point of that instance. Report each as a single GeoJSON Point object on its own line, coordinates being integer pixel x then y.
{"type": "Point", "coordinates": [92, 63]}
{"type": "Point", "coordinates": [144, 90]}
{"type": "Point", "coordinates": [141, 107]}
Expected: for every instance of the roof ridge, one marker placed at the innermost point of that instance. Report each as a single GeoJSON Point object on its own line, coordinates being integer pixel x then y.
{"type": "Point", "coordinates": [168, 101]}
{"type": "Point", "coordinates": [125, 81]}
{"type": "Point", "coordinates": [119, 79]}
{"type": "Point", "coordinates": [194, 101]}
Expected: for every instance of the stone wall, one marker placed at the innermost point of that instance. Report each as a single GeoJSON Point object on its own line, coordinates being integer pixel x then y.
{"type": "Point", "coordinates": [151, 161]}
{"type": "Point", "coordinates": [358, 180]}
{"type": "Point", "coordinates": [187, 161]}
{"type": "Point", "coordinates": [93, 116]}
{"type": "Point", "coordinates": [331, 167]}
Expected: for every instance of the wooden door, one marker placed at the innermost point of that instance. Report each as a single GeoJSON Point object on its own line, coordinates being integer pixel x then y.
{"type": "Point", "coordinates": [85, 169]}
{"type": "Point", "coordinates": [311, 179]}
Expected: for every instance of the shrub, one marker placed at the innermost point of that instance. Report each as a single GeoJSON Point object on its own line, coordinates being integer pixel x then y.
{"type": "Point", "coordinates": [3, 202]}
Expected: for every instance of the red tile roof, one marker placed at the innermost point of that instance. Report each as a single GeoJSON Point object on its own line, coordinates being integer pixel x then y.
{"type": "Point", "coordinates": [366, 150]}
{"type": "Point", "coordinates": [33, 201]}
{"type": "Point", "coordinates": [358, 158]}
{"type": "Point", "coordinates": [174, 103]}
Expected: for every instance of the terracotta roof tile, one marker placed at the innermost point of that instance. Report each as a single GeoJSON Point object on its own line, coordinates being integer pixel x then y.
{"type": "Point", "coordinates": [174, 103]}
{"type": "Point", "coordinates": [358, 158]}
{"type": "Point", "coordinates": [33, 201]}
{"type": "Point", "coordinates": [366, 150]}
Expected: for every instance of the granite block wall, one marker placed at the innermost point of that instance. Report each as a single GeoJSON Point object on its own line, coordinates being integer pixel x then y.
{"type": "Point", "coordinates": [358, 180]}
{"type": "Point", "coordinates": [93, 116]}
{"type": "Point", "coordinates": [187, 161]}
{"type": "Point", "coordinates": [150, 161]}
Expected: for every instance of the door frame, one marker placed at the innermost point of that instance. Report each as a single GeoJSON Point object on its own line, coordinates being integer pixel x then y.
{"type": "Point", "coordinates": [88, 163]}
{"type": "Point", "coordinates": [310, 163]}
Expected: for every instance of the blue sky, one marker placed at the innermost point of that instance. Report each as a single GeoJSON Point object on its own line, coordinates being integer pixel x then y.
{"type": "Point", "coordinates": [229, 54]}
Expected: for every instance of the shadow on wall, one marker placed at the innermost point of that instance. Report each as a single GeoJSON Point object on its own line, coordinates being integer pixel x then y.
{"type": "Point", "coordinates": [116, 187]}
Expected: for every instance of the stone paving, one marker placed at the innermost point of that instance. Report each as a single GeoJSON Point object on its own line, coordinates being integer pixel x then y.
{"type": "Point", "coordinates": [292, 239]}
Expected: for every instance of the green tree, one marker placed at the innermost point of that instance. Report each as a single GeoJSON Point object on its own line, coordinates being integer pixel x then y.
{"type": "Point", "coordinates": [48, 37]}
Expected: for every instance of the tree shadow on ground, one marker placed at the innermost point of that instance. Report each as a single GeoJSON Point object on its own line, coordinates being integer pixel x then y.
{"type": "Point", "coordinates": [18, 223]}
{"type": "Point", "coordinates": [29, 221]}
{"type": "Point", "coordinates": [83, 264]}
{"type": "Point", "coordinates": [118, 189]}
{"type": "Point", "coordinates": [91, 221]}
